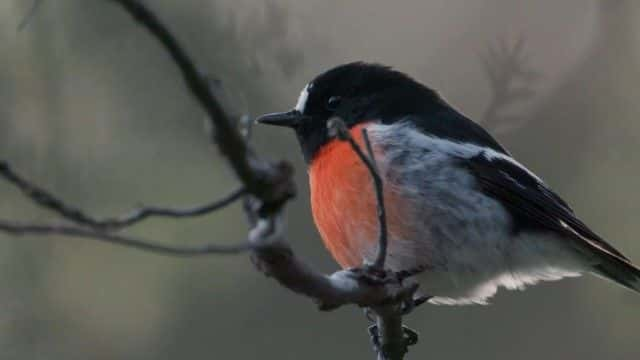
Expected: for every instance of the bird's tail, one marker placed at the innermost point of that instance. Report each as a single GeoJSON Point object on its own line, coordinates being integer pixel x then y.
{"type": "Point", "coordinates": [620, 271]}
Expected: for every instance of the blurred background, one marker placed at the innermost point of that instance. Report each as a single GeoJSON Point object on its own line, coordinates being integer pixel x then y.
{"type": "Point", "coordinates": [92, 109]}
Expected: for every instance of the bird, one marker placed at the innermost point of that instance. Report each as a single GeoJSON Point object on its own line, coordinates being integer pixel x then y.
{"type": "Point", "coordinates": [459, 206]}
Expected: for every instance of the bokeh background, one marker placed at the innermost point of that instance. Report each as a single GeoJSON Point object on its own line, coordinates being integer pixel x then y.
{"type": "Point", "coordinates": [91, 108]}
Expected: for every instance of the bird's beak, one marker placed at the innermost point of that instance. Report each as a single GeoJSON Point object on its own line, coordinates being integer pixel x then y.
{"type": "Point", "coordinates": [290, 119]}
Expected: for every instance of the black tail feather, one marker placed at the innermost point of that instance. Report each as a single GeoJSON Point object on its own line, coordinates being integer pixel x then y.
{"type": "Point", "coordinates": [619, 271]}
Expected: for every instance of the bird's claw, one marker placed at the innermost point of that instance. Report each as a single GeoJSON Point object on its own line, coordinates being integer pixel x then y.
{"type": "Point", "coordinates": [373, 334]}
{"type": "Point", "coordinates": [373, 276]}
{"type": "Point", "coordinates": [410, 336]}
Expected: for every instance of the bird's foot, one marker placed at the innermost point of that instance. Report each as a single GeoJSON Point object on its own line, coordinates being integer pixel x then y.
{"type": "Point", "coordinates": [407, 298]}
{"type": "Point", "coordinates": [410, 337]}
{"type": "Point", "coordinates": [373, 276]}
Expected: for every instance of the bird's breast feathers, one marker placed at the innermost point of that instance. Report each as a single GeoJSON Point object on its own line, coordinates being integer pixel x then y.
{"type": "Point", "coordinates": [343, 202]}
{"type": "Point", "coordinates": [438, 216]}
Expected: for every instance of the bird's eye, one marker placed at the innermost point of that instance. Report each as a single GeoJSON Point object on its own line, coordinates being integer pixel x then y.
{"type": "Point", "coordinates": [333, 102]}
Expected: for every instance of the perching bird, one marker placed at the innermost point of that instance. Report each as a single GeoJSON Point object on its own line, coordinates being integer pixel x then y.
{"type": "Point", "coordinates": [458, 205]}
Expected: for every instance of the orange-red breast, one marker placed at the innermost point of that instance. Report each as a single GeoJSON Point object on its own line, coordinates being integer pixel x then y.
{"type": "Point", "coordinates": [459, 206]}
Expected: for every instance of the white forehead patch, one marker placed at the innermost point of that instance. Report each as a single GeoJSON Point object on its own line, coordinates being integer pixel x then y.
{"type": "Point", "coordinates": [302, 99]}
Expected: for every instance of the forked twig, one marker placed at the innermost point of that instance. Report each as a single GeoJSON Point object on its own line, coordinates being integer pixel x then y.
{"type": "Point", "coordinates": [49, 201]}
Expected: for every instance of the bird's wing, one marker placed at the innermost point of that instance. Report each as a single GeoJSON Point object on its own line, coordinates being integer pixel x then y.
{"type": "Point", "coordinates": [531, 203]}
{"type": "Point", "coordinates": [447, 123]}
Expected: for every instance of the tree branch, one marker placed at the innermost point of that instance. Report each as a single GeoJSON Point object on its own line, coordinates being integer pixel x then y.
{"type": "Point", "coordinates": [340, 288]}
{"type": "Point", "coordinates": [21, 229]}
{"type": "Point", "coordinates": [49, 201]}
{"type": "Point", "coordinates": [258, 176]}
{"type": "Point", "coordinates": [381, 211]}
{"type": "Point", "coordinates": [268, 187]}
{"type": "Point", "coordinates": [338, 129]}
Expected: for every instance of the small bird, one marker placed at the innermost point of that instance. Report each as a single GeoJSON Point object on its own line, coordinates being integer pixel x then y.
{"type": "Point", "coordinates": [459, 206]}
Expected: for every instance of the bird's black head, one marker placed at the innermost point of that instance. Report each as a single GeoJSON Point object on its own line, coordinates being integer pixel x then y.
{"type": "Point", "coordinates": [356, 92]}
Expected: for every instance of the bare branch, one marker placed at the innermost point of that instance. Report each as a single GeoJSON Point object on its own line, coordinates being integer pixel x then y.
{"type": "Point", "coordinates": [149, 211]}
{"type": "Point", "coordinates": [20, 229]}
{"type": "Point", "coordinates": [337, 128]}
{"type": "Point", "coordinates": [258, 176]}
{"type": "Point", "coordinates": [48, 201]}
{"type": "Point", "coordinates": [381, 210]}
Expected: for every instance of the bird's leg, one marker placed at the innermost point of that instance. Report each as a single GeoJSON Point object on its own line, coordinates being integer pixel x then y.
{"type": "Point", "coordinates": [375, 277]}
{"type": "Point", "coordinates": [410, 337]}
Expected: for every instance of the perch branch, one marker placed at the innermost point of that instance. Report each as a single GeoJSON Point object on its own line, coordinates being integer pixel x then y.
{"type": "Point", "coordinates": [329, 291]}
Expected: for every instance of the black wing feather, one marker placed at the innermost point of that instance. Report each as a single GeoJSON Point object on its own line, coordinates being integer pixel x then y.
{"type": "Point", "coordinates": [531, 203]}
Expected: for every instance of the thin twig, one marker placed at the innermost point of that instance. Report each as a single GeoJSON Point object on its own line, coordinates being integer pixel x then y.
{"type": "Point", "coordinates": [338, 128]}
{"type": "Point", "coordinates": [20, 229]}
{"type": "Point", "coordinates": [49, 201]}
{"type": "Point", "coordinates": [381, 211]}
{"type": "Point", "coordinates": [149, 211]}
{"type": "Point", "coordinates": [258, 176]}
